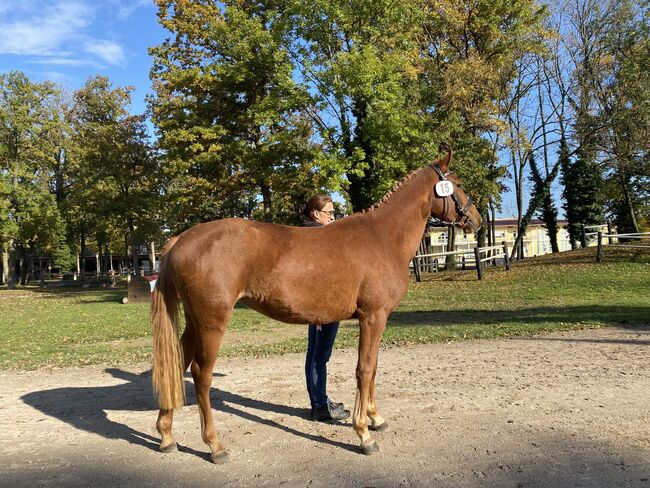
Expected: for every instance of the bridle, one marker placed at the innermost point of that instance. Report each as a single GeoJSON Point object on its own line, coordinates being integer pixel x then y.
{"type": "Point", "coordinates": [462, 210]}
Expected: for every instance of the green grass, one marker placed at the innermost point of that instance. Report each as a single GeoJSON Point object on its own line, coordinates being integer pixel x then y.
{"type": "Point", "coordinates": [55, 327]}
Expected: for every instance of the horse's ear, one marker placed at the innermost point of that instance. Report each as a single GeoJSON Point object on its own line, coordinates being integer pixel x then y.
{"type": "Point", "coordinates": [443, 162]}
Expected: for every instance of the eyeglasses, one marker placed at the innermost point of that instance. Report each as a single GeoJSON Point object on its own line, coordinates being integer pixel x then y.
{"type": "Point", "coordinates": [328, 212]}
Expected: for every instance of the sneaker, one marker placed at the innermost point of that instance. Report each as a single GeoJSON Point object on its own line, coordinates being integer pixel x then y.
{"type": "Point", "coordinates": [331, 411]}
{"type": "Point", "coordinates": [336, 406]}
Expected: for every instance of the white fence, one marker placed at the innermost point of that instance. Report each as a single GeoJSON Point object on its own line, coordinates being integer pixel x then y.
{"type": "Point", "coordinates": [432, 262]}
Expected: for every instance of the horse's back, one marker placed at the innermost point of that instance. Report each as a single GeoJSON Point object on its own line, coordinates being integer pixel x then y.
{"type": "Point", "coordinates": [294, 274]}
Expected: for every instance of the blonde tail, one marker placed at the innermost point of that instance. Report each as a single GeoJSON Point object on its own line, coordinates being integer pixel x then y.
{"type": "Point", "coordinates": [168, 367]}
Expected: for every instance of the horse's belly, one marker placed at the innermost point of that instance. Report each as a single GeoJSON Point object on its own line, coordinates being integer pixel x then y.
{"type": "Point", "coordinates": [299, 313]}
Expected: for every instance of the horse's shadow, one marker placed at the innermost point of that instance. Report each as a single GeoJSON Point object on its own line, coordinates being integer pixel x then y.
{"type": "Point", "coordinates": [135, 395]}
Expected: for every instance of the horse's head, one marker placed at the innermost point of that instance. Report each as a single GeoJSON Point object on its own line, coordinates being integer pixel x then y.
{"type": "Point", "coordinates": [450, 203]}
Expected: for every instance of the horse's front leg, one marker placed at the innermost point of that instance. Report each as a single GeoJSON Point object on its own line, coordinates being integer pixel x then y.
{"type": "Point", "coordinates": [376, 421]}
{"type": "Point", "coordinates": [371, 331]}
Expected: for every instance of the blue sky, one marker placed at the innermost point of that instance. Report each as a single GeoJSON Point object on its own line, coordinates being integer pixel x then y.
{"type": "Point", "coordinates": [67, 41]}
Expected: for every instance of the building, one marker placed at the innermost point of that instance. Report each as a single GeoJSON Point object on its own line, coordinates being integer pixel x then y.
{"type": "Point", "coordinates": [536, 241]}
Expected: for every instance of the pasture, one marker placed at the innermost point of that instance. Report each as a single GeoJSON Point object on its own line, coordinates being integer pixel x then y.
{"type": "Point", "coordinates": [54, 327]}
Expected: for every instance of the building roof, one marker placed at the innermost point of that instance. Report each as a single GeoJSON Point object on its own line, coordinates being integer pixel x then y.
{"type": "Point", "coordinates": [513, 222]}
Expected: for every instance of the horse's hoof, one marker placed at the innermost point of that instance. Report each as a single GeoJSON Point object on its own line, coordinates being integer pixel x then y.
{"type": "Point", "coordinates": [370, 449]}
{"type": "Point", "coordinates": [379, 428]}
{"type": "Point", "coordinates": [169, 447]}
{"type": "Point", "coordinates": [220, 457]}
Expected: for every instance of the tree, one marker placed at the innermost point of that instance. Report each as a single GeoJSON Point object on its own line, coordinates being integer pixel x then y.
{"type": "Point", "coordinates": [230, 116]}
{"type": "Point", "coordinates": [622, 91]}
{"type": "Point", "coordinates": [30, 220]}
{"type": "Point", "coordinates": [478, 53]}
{"type": "Point", "coordinates": [115, 172]}
{"type": "Point", "coordinates": [582, 176]}
{"type": "Point", "coordinates": [360, 60]}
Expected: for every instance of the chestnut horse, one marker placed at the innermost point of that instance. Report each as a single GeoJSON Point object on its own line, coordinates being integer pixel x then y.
{"type": "Point", "coordinates": [357, 267]}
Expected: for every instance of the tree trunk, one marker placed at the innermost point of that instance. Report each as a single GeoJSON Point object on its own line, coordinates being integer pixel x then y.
{"type": "Point", "coordinates": [549, 213]}
{"type": "Point", "coordinates": [134, 250]}
{"type": "Point", "coordinates": [82, 257]}
{"type": "Point", "coordinates": [27, 267]}
{"type": "Point", "coordinates": [11, 265]}
{"type": "Point", "coordinates": [450, 262]}
{"type": "Point", "coordinates": [152, 255]}
{"type": "Point", "coordinates": [535, 202]}
{"type": "Point", "coordinates": [5, 266]}
{"type": "Point", "coordinates": [42, 273]}
{"type": "Point", "coordinates": [493, 223]}
{"type": "Point", "coordinates": [484, 230]}
{"type": "Point", "coordinates": [624, 182]}
{"type": "Point", "coordinates": [267, 202]}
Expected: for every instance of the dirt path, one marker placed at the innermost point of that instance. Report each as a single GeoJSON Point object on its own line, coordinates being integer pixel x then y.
{"type": "Point", "coordinates": [560, 410]}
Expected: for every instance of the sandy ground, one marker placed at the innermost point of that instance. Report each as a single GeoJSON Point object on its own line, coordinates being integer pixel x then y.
{"type": "Point", "coordinates": [561, 410]}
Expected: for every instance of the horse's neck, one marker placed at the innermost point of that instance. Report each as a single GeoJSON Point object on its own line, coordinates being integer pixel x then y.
{"type": "Point", "coordinates": [403, 216]}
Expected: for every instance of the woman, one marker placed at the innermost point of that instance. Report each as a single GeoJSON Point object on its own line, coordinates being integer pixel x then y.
{"type": "Point", "coordinates": [320, 211]}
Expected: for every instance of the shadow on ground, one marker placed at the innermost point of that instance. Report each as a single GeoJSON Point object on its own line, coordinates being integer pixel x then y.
{"type": "Point", "coordinates": [620, 315]}
{"type": "Point", "coordinates": [135, 395]}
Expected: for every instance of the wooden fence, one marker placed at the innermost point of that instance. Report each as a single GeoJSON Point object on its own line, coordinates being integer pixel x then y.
{"type": "Point", "coordinates": [432, 262]}
{"type": "Point", "coordinates": [625, 244]}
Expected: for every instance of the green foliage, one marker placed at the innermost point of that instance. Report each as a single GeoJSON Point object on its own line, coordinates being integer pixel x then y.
{"type": "Point", "coordinates": [114, 181]}
{"type": "Point", "coordinates": [231, 117]}
{"type": "Point", "coordinates": [281, 100]}
{"type": "Point", "coordinates": [29, 217]}
{"type": "Point", "coordinates": [62, 258]}
{"type": "Point", "coordinates": [582, 181]}
{"type": "Point", "coordinates": [624, 91]}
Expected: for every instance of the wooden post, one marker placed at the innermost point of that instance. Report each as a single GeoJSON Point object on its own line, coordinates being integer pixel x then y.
{"type": "Point", "coordinates": [599, 252]}
{"type": "Point", "coordinates": [506, 258]}
{"type": "Point", "coordinates": [416, 269]}
{"type": "Point", "coordinates": [479, 268]}
{"type": "Point", "coordinates": [583, 236]}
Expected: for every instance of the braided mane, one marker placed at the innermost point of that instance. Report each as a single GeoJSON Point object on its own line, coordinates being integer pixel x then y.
{"type": "Point", "coordinates": [388, 195]}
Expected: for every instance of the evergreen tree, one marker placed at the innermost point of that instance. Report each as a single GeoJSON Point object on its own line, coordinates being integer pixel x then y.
{"type": "Point", "coordinates": [583, 184]}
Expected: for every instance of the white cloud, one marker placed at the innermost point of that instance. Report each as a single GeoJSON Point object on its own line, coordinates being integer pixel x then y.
{"type": "Point", "coordinates": [109, 51]}
{"type": "Point", "coordinates": [63, 61]}
{"type": "Point", "coordinates": [126, 8]}
{"type": "Point", "coordinates": [61, 33]}
{"type": "Point", "coordinates": [35, 29]}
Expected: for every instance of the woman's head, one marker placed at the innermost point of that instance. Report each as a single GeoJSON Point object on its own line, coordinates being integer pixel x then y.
{"type": "Point", "coordinates": [320, 208]}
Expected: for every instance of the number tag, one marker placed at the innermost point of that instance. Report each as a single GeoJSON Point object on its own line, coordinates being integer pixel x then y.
{"type": "Point", "coordinates": [444, 188]}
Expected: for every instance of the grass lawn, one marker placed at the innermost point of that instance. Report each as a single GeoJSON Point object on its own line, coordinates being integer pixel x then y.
{"type": "Point", "coordinates": [56, 327]}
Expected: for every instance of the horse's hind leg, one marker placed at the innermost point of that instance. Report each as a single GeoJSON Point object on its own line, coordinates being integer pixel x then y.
{"type": "Point", "coordinates": [372, 329]}
{"type": "Point", "coordinates": [166, 416]}
{"type": "Point", "coordinates": [209, 335]}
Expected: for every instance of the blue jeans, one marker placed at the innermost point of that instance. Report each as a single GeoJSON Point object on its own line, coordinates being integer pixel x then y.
{"type": "Point", "coordinates": [319, 349]}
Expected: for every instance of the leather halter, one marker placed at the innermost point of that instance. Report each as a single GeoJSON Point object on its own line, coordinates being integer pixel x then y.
{"type": "Point", "coordinates": [462, 210]}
